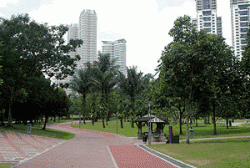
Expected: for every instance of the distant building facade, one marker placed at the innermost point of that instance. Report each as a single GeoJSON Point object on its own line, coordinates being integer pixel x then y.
{"type": "Point", "coordinates": [207, 18]}
{"type": "Point", "coordinates": [86, 30]}
{"type": "Point", "coordinates": [88, 33]}
{"type": "Point", "coordinates": [117, 51]}
{"type": "Point", "coordinates": [240, 24]}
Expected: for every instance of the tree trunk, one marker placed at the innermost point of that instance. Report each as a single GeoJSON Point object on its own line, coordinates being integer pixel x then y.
{"type": "Point", "coordinates": [103, 124]}
{"type": "Point", "coordinates": [107, 121]}
{"type": "Point", "coordinates": [41, 118]}
{"type": "Point", "coordinates": [227, 122]}
{"type": "Point", "coordinates": [132, 124]}
{"type": "Point", "coordinates": [55, 119]}
{"type": "Point", "coordinates": [93, 122]}
{"type": "Point", "coordinates": [10, 115]}
{"type": "Point", "coordinates": [84, 120]}
{"type": "Point", "coordinates": [215, 133]}
{"type": "Point", "coordinates": [121, 119]}
{"type": "Point", "coordinates": [181, 122]}
{"type": "Point", "coordinates": [2, 116]}
{"type": "Point", "coordinates": [187, 128]}
{"type": "Point", "coordinates": [45, 122]}
{"type": "Point", "coordinates": [196, 122]}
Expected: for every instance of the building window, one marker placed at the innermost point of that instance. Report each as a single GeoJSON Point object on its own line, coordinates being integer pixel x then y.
{"type": "Point", "coordinates": [207, 29]}
{"type": "Point", "coordinates": [244, 24]}
{"type": "Point", "coordinates": [207, 18]}
{"type": "Point", "coordinates": [243, 42]}
{"type": "Point", "coordinates": [207, 24]}
{"type": "Point", "coordinates": [206, 13]}
{"type": "Point", "coordinates": [206, 4]}
{"type": "Point", "coordinates": [243, 12]}
{"type": "Point", "coordinates": [244, 6]}
{"type": "Point", "coordinates": [243, 29]}
{"type": "Point", "coordinates": [244, 18]}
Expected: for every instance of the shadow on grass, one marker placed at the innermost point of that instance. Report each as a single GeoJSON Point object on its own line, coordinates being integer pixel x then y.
{"type": "Point", "coordinates": [236, 140]}
{"type": "Point", "coordinates": [37, 130]}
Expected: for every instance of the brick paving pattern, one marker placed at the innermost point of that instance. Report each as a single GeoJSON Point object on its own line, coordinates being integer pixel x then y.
{"type": "Point", "coordinates": [90, 149]}
{"type": "Point", "coordinates": [16, 147]}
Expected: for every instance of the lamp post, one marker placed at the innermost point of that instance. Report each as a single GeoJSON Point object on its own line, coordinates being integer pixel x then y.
{"type": "Point", "coordinates": [149, 132]}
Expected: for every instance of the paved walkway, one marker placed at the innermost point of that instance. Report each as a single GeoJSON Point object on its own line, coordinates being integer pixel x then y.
{"type": "Point", "coordinates": [95, 149]}
{"type": "Point", "coordinates": [87, 149]}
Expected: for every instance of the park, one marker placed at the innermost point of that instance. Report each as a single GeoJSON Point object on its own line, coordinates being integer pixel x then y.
{"type": "Point", "coordinates": [194, 113]}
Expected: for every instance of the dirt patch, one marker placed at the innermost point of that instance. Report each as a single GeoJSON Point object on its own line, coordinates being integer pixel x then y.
{"type": "Point", "coordinates": [199, 162]}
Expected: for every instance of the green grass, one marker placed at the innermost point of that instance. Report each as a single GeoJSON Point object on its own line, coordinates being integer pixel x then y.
{"type": "Point", "coordinates": [202, 131]}
{"type": "Point", "coordinates": [111, 128]}
{"type": "Point", "coordinates": [206, 130]}
{"type": "Point", "coordinates": [37, 130]}
{"type": "Point", "coordinates": [209, 153]}
{"type": "Point", "coordinates": [6, 165]}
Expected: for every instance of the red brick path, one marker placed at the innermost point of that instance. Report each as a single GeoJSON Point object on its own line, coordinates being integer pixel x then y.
{"type": "Point", "coordinates": [91, 149]}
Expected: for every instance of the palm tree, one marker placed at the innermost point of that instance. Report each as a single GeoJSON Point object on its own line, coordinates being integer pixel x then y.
{"type": "Point", "coordinates": [82, 83]}
{"type": "Point", "coordinates": [132, 86]}
{"type": "Point", "coordinates": [105, 79]}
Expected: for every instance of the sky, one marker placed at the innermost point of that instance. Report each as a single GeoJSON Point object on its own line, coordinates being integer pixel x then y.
{"type": "Point", "coordinates": [144, 24]}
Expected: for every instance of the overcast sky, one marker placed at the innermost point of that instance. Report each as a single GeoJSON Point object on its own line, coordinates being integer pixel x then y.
{"type": "Point", "coordinates": [144, 24]}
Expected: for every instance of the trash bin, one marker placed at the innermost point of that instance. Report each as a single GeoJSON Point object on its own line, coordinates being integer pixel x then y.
{"type": "Point", "coordinates": [175, 139]}
{"type": "Point", "coordinates": [145, 137]}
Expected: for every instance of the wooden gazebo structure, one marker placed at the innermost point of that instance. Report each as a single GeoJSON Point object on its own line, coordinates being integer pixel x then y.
{"type": "Point", "coordinates": [160, 123]}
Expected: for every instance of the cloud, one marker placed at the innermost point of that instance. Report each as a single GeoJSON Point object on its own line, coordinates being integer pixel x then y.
{"type": "Point", "coordinates": [4, 3]}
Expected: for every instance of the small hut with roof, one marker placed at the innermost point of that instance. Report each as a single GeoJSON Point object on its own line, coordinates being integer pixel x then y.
{"type": "Point", "coordinates": [157, 133]}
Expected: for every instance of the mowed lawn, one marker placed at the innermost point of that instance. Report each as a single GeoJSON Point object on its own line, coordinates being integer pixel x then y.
{"type": "Point", "coordinates": [206, 130]}
{"type": "Point", "coordinates": [111, 128]}
{"type": "Point", "coordinates": [202, 131]}
{"type": "Point", "coordinates": [37, 130]}
{"type": "Point", "coordinates": [210, 153]}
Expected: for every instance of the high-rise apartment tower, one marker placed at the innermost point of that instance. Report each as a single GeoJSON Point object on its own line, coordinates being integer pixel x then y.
{"type": "Point", "coordinates": [207, 17]}
{"type": "Point", "coordinates": [240, 24]}
{"type": "Point", "coordinates": [88, 33]}
{"type": "Point", "coordinates": [117, 51]}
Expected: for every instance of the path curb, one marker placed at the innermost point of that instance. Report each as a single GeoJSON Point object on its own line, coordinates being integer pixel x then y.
{"type": "Point", "coordinates": [167, 158]}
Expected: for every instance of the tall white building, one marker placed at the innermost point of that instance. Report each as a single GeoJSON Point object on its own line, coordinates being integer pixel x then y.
{"type": "Point", "coordinates": [86, 30]}
{"type": "Point", "coordinates": [117, 51]}
{"type": "Point", "coordinates": [207, 18]}
{"type": "Point", "coordinates": [88, 33]}
{"type": "Point", "coordinates": [240, 24]}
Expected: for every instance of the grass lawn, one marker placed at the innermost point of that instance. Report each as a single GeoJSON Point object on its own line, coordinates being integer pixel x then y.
{"type": "Point", "coordinates": [209, 153]}
{"type": "Point", "coordinates": [111, 128]}
{"type": "Point", "coordinates": [202, 131]}
{"type": "Point", "coordinates": [206, 130]}
{"type": "Point", "coordinates": [6, 165]}
{"type": "Point", "coordinates": [37, 130]}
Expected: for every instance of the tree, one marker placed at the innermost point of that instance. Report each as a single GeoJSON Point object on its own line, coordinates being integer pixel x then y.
{"type": "Point", "coordinates": [33, 49]}
{"type": "Point", "coordinates": [132, 86]}
{"type": "Point", "coordinates": [105, 79]}
{"type": "Point", "coordinates": [215, 59]}
{"type": "Point", "coordinates": [178, 63]}
{"type": "Point", "coordinates": [81, 84]}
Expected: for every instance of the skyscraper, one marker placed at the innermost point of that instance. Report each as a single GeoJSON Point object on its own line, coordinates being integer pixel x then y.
{"type": "Point", "coordinates": [117, 50]}
{"type": "Point", "coordinates": [88, 33]}
{"type": "Point", "coordinates": [207, 17]}
{"type": "Point", "coordinates": [86, 30]}
{"type": "Point", "coordinates": [240, 24]}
